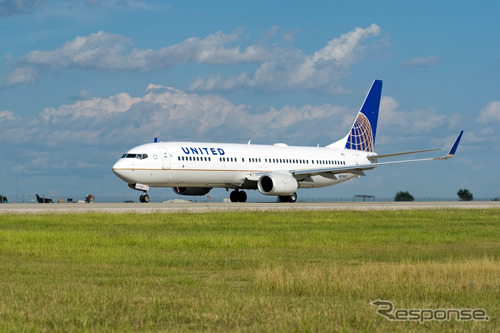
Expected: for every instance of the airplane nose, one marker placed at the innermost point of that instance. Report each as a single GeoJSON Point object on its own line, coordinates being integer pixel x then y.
{"type": "Point", "coordinates": [116, 166]}
{"type": "Point", "coordinates": [119, 169]}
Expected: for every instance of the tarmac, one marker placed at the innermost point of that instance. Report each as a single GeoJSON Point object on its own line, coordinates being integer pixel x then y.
{"type": "Point", "coordinates": [190, 207]}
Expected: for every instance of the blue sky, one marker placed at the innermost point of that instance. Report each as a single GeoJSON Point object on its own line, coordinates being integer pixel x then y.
{"type": "Point", "coordinates": [81, 82]}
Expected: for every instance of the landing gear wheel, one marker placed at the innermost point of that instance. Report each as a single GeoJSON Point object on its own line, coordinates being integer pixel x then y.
{"type": "Point", "coordinates": [144, 198]}
{"type": "Point", "coordinates": [238, 196]}
{"type": "Point", "coordinates": [288, 198]}
{"type": "Point", "coordinates": [234, 196]}
{"type": "Point", "coordinates": [242, 196]}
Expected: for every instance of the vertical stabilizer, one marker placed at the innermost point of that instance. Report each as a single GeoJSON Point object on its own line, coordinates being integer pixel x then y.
{"type": "Point", "coordinates": [363, 131]}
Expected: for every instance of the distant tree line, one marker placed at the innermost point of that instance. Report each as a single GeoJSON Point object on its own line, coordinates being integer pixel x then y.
{"type": "Point", "coordinates": [463, 195]}
{"type": "Point", "coordinates": [404, 196]}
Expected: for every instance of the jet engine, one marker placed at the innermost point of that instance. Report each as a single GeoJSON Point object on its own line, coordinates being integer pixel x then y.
{"type": "Point", "coordinates": [277, 184]}
{"type": "Point", "coordinates": [191, 190]}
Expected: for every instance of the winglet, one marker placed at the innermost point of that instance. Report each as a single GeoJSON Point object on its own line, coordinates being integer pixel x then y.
{"type": "Point", "coordinates": [453, 148]}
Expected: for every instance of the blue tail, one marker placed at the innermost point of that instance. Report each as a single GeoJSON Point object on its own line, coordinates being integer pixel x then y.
{"type": "Point", "coordinates": [364, 129]}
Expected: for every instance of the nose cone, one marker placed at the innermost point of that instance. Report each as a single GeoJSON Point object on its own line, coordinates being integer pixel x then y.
{"type": "Point", "coordinates": [121, 169]}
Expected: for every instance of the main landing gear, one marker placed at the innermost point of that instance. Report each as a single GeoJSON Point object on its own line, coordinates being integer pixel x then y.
{"type": "Point", "coordinates": [288, 198]}
{"type": "Point", "coordinates": [238, 196]}
{"type": "Point", "coordinates": [144, 198]}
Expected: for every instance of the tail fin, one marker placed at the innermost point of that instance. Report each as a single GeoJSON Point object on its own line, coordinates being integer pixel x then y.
{"type": "Point", "coordinates": [363, 131]}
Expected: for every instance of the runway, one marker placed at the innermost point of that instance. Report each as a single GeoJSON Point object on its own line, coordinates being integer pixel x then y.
{"type": "Point", "coordinates": [188, 207]}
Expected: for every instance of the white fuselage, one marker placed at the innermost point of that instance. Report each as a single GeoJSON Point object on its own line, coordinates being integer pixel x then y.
{"type": "Point", "coordinates": [196, 164]}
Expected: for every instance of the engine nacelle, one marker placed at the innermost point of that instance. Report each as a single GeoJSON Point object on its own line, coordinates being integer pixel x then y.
{"type": "Point", "coordinates": [191, 190]}
{"type": "Point", "coordinates": [277, 184]}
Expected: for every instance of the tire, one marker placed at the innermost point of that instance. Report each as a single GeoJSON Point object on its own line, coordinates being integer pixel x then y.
{"type": "Point", "coordinates": [234, 196]}
{"type": "Point", "coordinates": [288, 198]}
{"type": "Point", "coordinates": [242, 196]}
{"type": "Point", "coordinates": [283, 198]}
{"type": "Point", "coordinates": [144, 198]}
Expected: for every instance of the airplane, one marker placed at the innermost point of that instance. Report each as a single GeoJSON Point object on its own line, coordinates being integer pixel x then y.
{"type": "Point", "coordinates": [194, 168]}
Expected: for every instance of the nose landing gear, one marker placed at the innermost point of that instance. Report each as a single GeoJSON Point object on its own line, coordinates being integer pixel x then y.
{"type": "Point", "coordinates": [141, 187]}
{"type": "Point", "coordinates": [144, 198]}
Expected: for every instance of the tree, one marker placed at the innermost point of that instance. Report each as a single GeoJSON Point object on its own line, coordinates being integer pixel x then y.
{"type": "Point", "coordinates": [403, 196]}
{"type": "Point", "coordinates": [464, 195]}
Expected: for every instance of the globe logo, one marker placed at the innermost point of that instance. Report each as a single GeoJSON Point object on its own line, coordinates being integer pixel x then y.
{"type": "Point", "coordinates": [361, 136]}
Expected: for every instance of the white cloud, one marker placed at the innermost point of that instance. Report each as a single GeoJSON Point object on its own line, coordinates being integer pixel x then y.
{"type": "Point", "coordinates": [97, 108]}
{"type": "Point", "coordinates": [421, 62]}
{"type": "Point", "coordinates": [20, 75]}
{"type": "Point", "coordinates": [407, 125]}
{"type": "Point", "coordinates": [7, 115]}
{"type": "Point", "coordinates": [491, 113]}
{"type": "Point", "coordinates": [109, 51]}
{"type": "Point", "coordinates": [163, 112]}
{"type": "Point", "coordinates": [291, 69]}
{"type": "Point", "coordinates": [277, 68]}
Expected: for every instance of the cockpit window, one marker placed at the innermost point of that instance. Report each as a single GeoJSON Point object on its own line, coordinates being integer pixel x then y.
{"type": "Point", "coordinates": [138, 156]}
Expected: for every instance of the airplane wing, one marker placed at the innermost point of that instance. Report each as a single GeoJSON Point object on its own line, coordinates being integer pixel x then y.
{"type": "Point", "coordinates": [376, 157]}
{"type": "Point", "coordinates": [360, 168]}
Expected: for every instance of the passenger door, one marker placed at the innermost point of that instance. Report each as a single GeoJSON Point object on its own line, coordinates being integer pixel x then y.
{"type": "Point", "coordinates": [165, 158]}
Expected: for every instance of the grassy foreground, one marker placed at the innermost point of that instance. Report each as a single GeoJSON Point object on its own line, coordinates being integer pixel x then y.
{"type": "Point", "coordinates": [247, 271]}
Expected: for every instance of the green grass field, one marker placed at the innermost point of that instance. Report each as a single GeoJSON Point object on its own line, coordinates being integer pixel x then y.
{"type": "Point", "coordinates": [247, 271]}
